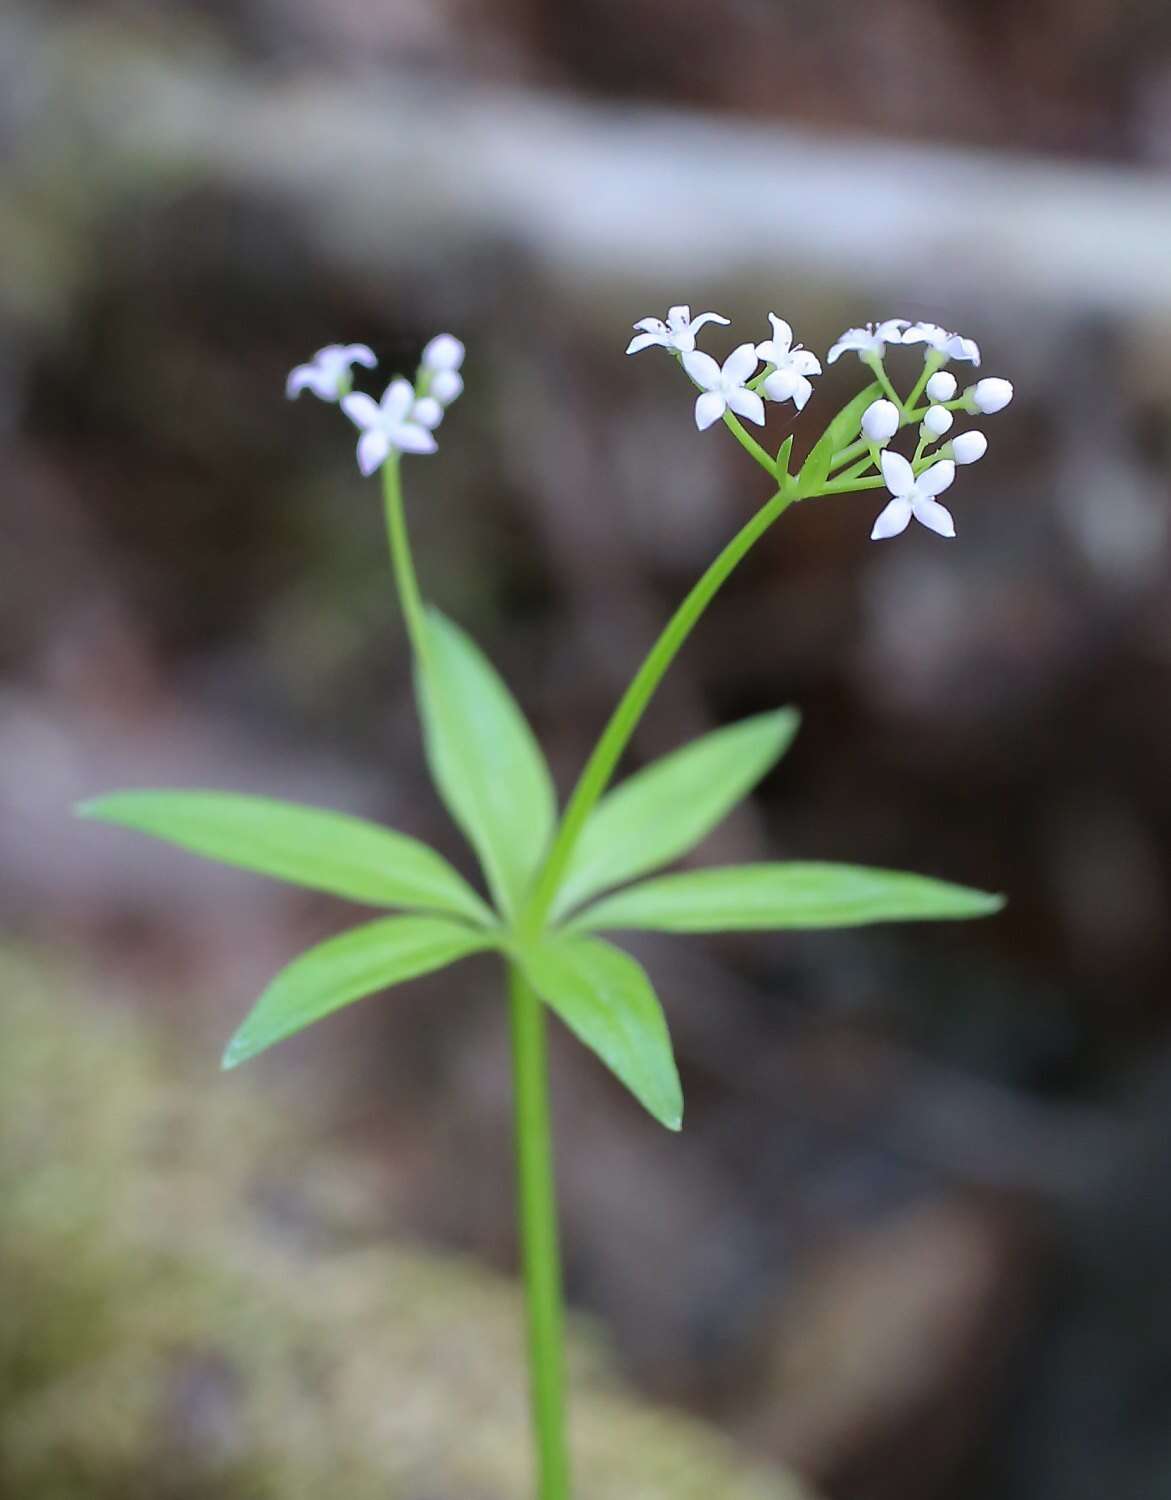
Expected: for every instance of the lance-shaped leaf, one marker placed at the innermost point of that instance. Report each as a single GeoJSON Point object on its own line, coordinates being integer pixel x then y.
{"type": "Point", "coordinates": [308, 846]}
{"type": "Point", "coordinates": [667, 808]}
{"type": "Point", "coordinates": [485, 761]}
{"type": "Point", "coordinates": [606, 999]}
{"type": "Point", "coordinates": [346, 968]}
{"type": "Point", "coordinates": [840, 433]}
{"type": "Point", "coordinates": [738, 898]}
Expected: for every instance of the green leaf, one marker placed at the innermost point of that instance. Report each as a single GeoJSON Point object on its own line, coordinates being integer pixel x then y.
{"type": "Point", "coordinates": [664, 810]}
{"type": "Point", "coordinates": [840, 433]}
{"type": "Point", "coordinates": [308, 846]}
{"type": "Point", "coordinates": [485, 761]}
{"type": "Point", "coordinates": [345, 968]}
{"type": "Point", "coordinates": [783, 457]}
{"type": "Point", "coordinates": [606, 1000]}
{"type": "Point", "coordinates": [740, 898]}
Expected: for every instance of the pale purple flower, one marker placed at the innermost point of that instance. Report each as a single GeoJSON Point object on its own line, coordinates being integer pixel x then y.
{"type": "Point", "coordinates": [914, 497]}
{"type": "Point", "coordinates": [677, 333]}
{"type": "Point", "coordinates": [328, 373]}
{"type": "Point", "coordinates": [387, 426]}
{"type": "Point", "coordinates": [722, 386]}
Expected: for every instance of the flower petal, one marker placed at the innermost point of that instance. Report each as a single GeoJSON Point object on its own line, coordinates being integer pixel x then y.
{"type": "Point", "coordinates": [678, 317]}
{"type": "Point", "coordinates": [642, 341]}
{"type": "Point", "coordinates": [373, 448]}
{"type": "Point", "coordinates": [805, 362]}
{"type": "Point", "coordinates": [397, 400]}
{"type": "Point", "coordinates": [309, 377]}
{"type": "Point", "coordinates": [652, 325]}
{"type": "Point", "coordinates": [934, 516]}
{"type": "Point", "coordinates": [697, 323]}
{"type": "Point", "coordinates": [409, 437]}
{"type": "Point", "coordinates": [709, 408]}
{"type": "Point", "coordinates": [361, 409]}
{"type": "Point", "coordinates": [853, 338]}
{"type": "Point", "coordinates": [782, 337]}
{"type": "Point", "coordinates": [702, 368]}
{"type": "Point", "coordinates": [802, 393]}
{"type": "Point", "coordinates": [897, 473]}
{"type": "Point", "coordinates": [895, 518]}
{"type": "Point", "coordinates": [891, 331]}
{"type": "Point", "coordinates": [960, 348]}
{"type": "Point", "coordinates": [746, 404]}
{"type": "Point", "coordinates": [360, 354]}
{"type": "Point", "coordinates": [740, 364]}
{"type": "Point", "coordinates": [935, 480]}
{"type": "Point", "coordinates": [781, 385]}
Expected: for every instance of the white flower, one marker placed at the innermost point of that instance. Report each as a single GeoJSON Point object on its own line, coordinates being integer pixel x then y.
{"type": "Point", "coordinates": [950, 345]}
{"type": "Point", "coordinates": [880, 421]}
{"type": "Point", "coordinates": [914, 497]}
{"type": "Point", "coordinates": [427, 412]}
{"type": "Point", "coordinates": [328, 372]}
{"type": "Point", "coordinates": [990, 395]}
{"type": "Point", "coordinates": [936, 421]}
{"type": "Point", "coordinates": [969, 447]}
{"type": "Point", "coordinates": [443, 352]}
{"type": "Point", "coordinates": [941, 386]}
{"type": "Point", "coordinates": [677, 333]}
{"type": "Point", "coordinates": [872, 339]}
{"type": "Point", "coordinates": [387, 425]}
{"type": "Point", "coordinates": [790, 380]}
{"type": "Point", "coordinates": [723, 386]}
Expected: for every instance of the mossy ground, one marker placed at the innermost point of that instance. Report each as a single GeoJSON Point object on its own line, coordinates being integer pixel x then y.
{"type": "Point", "coordinates": [184, 1319]}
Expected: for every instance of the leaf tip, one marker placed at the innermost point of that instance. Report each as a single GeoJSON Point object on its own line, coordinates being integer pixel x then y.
{"type": "Point", "coordinates": [239, 1050]}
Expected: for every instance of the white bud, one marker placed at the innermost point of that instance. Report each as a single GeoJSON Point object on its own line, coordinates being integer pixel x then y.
{"type": "Point", "coordinates": [880, 421]}
{"type": "Point", "coordinates": [941, 386]}
{"type": "Point", "coordinates": [427, 412]}
{"type": "Point", "coordinates": [444, 352]}
{"type": "Point", "coordinates": [936, 421]}
{"type": "Point", "coordinates": [969, 447]}
{"type": "Point", "coordinates": [989, 395]}
{"type": "Point", "coordinates": [446, 386]}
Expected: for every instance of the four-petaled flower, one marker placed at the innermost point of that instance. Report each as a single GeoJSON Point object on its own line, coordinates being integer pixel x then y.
{"type": "Point", "coordinates": [790, 380]}
{"type": "Point", "coordinates": [328, 373]}
{"type": "Point", "coordinates": [871, 340]}
{"type": "Point", "coordinates": [386, 426]}
{"type": "Point", "coordinates": [677, 333]}
{"type": "Point", "coordinates": [723, 385]}
{"type": "Point", "coordinates": [950, 345]}
{"type": "Point", "coordinates": [914, 496]}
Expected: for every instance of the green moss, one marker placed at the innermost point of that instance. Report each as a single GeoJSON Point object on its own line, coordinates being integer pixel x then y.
{"type": "Point", "coordinates": [163, 1339]}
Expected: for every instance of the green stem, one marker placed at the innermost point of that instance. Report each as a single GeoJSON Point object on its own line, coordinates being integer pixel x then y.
{"type": "Point", "coordinates": [537, 1217]}
{"type": "Point", "coordinates": [400, 558]}
{"type": "Point", "coordinates": [600, 767]}
{"type": "Point", "coordinates": [876, 364]}
{"type": "Point", "coordinates": [749, 444]}
{"type": "Point", "coordinates": [932, 361]}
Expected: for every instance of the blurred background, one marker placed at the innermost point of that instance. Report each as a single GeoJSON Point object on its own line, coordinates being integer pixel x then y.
{"type": "Point", "coordinates": [913, 1240]}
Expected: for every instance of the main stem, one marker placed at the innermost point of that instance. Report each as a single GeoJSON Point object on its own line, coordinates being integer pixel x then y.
{"type": "Point", "coordinates": [537, 1217]}
{"type": "Point", "coordinates": [537, 1204]}
{"type": "Point", "coordinates": [623, 722]}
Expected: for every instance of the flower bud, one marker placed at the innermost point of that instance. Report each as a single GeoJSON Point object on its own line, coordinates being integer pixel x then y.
{"type": "Point", "coordinates": [880, 421]}
{"type": "Point", "coordinates": [427, 412]}
{"type": "Point", "coordinates": [446, 386]}
{"type": "Point", "coordinates": [941, 386]}
{"type": "Point", "coordinates": [991, 395]}
{"type": "Point", "coordinates": [936, 421]}
{"type": "Point", "coordinates": [443, 352]}
{"type": "Point", "coordinates": [969, 447]}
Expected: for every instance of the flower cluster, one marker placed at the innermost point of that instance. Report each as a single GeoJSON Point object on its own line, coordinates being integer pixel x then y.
{"type": "Point", "coordinates": [737, 388]}
{"type": "Point", "coordinates": [405, 419]}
